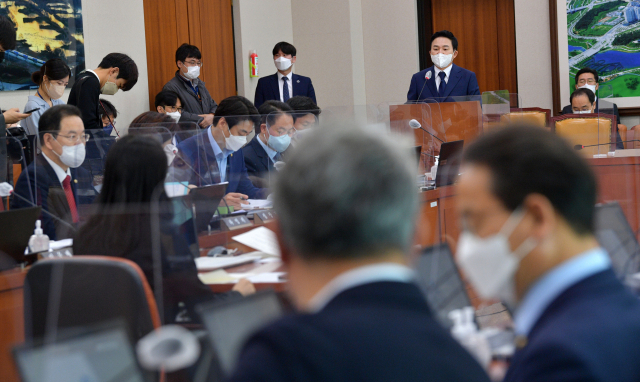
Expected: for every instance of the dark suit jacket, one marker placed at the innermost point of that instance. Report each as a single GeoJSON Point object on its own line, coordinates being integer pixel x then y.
{"type": "Point", "coordinates": [39, 185]}
{"type": "Point", "coordinates": [268, 88]}
{"type": "Point", "coordinates": [462, 82]}
{"type": "Point", "coordinates": [619, 145]}
{"type": "Point", "coordinates": [381, 331]}
{"type": "Point", "coordinates": [193, 106]}
{"type": "Point", "coordinates": [197, 152]}
{"type": "Point", "coordinates": [258, 163]}
{"type": "Point", "coordinates": [591, 332]}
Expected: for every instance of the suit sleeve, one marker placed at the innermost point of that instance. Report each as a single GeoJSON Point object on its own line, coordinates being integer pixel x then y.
{"type": "Point", "coordinates": [30, 192]}
{"type": "Point", "coordinates": [258, 99]}
{"type": "Point", "coordinates": [412, 94]}
{"type": "Point", "coordinates": [311, 93]}
{"type": "Point", "coordinates": [551, 363]}
{"type": "Point", "coordinates": [246, 187]}
{"type": "Point", "coordinates": [473, 88]}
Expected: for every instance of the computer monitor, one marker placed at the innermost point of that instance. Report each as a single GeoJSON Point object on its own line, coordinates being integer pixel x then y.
{"type": "Point", "coordinates": [449, 163]}
{"type": "Point", "coordinates": [17, 227]}
{"type": "Point", "coordinates": [103, 355]}
{"type": "Point", "coordinates": [206, 201]}
{"type": "Point", "coordinates": [229, 324]}
{"type": "Point", "coordinates": [441, 282]}
{"type": "Point", "coordinates": [615, 235]}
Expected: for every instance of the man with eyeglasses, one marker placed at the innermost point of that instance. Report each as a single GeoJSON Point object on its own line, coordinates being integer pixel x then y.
{"type": "Point", "coordinates": [54, 180]}
{"type": "Point", "coordinates": [197, 104]}
{"type": "Point", "coordinates": [587, 78]}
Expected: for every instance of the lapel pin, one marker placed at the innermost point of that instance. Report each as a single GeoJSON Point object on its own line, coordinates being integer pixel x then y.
{"type": "Point", "coordinates": [298, 81]}
{"type": "Point", "coordinates": [75, 181]}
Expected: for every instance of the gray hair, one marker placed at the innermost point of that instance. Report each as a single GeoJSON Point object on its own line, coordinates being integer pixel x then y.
{"type": "Point", "coordinates": [347, 192]}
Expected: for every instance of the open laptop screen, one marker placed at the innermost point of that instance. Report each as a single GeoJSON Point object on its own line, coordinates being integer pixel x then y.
{"type": "Point", "coordinates": [449, 163]}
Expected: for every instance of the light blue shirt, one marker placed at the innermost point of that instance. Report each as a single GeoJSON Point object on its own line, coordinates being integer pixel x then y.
{"type": "Point", "coordinates": [30, 124]}
{"type": "Point", "coordinates": [556, 281]}
{"type": "Point", "coordinates": [221, 156]}
{"type": "Point", "coordinates": [270, 152]}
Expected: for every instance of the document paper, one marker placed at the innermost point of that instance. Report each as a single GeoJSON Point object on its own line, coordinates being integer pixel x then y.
{"type": "Point", "coordinates": [262, 239]}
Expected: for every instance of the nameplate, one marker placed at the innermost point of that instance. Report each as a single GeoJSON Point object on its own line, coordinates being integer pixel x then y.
{"type": "Point", "coordinates": [235, 222]}
{"type": "Point", "coordinates": [263, 217]}
{"type": "Point", "coordinates": [56, 254]}
{"type": "Point", "coordinates": [628, 153]}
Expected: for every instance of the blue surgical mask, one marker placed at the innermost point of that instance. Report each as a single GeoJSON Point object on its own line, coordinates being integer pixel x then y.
{"type": "Point", "coordinates": [280, 144]}
{"type": "Point", "coordinates": [108, 129]}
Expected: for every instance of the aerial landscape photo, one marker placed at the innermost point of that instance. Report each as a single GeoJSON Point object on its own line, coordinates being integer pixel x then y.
{"type": "Point", "coordinates": [45, 30]}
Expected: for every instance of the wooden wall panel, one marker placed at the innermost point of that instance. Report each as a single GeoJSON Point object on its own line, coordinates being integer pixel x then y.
{"type": "Point", "coordinates": [507, 45]}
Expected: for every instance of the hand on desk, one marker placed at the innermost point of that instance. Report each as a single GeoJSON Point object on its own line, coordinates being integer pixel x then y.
{"type": "Point", "coordinates": [245, 287]}
{"type": "Point", "coordinates": [235, 200]}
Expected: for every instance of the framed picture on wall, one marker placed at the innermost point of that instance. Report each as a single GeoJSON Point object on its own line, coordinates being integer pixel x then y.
{"type": "Point", "coordinates": [602, 35]}
{"type": "Point", "coordinates": [46, 29]}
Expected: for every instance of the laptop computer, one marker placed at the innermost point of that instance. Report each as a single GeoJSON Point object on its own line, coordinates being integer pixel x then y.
{"type": "Point", "coordinates": [449, 163]}
{"type": "Point", "coordinates": [205, 201]}
{"type": "Point", "coordinates": [230, 323]}
{"type": "Point", "coordinates": [615, 235]}
{"type": "Point", "coordinates": [101, 355]}
{"type": "Point", "coordinates": [17, 227]}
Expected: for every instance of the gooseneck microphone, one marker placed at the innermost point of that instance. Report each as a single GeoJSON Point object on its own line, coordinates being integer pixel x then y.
{"type": "Point", "coordinates": [580, 147]}
{"type": "Point", "coordinates": [414, 124]}
{"type": "Point", "coordinates": [427, 77]}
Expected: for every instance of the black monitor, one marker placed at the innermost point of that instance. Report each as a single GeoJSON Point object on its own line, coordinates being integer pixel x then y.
{"type": "Point", "coordinates": [17, 226]}
{"type": "Point", "coordinates": [206, 201]}
{"type": "Point", "coordinates": [441, 282]}
{"type": "Point", "coordinates": [102, 355]}
{"type": "Point", "coordinates": [615, 235]}
{"type": "Point", "coordinates": [449, 163]}
{"type": "Point", "coordinates": [230, 323]}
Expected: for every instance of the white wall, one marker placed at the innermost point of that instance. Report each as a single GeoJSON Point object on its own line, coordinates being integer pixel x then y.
{"type": "Point", "coordinates": [106, 32]}
{"type": "Point", "coordinates": [259, 25]}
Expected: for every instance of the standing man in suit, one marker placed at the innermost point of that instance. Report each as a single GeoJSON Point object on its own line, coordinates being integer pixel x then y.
{"type": "Point", "coordinates": [444, 79]}
{"type": "Point", "coordinates": [284, 84]}
{"type": "Point", "coordinates": [198, 105]}
{"type": "Point", "coordinates": [215, 156]}
{"type": "Point", "coordinates": [266, 148]}
{"type": "Point", "coordinates": [54, 180]}
{"type": "Point", "coordinates": [347, 208]}
{"type": "Point", "coordinates": [526, 200]}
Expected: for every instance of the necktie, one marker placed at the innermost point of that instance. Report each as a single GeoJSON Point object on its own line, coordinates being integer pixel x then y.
{"type": "Point", "coordinates": [443, 84]}
{"type": "Point", "coordinates": [66, 184]}
{"type": "Point", "coordinates": [285, 89]}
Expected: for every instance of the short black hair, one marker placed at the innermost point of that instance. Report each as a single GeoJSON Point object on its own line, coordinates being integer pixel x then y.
{"type": "Point", "coordinates": [270, 110]}
{"type": "Point", "coordinates": [303, 103]}
{"type": "Point", "coordinates": [524, 160]}
{"type": "Point", "coordinates": [128, 70]}
{"type": "Point", "coordinates": [586, 70]}
{"type": "Point", "coordinates": [285, 47]}
{"type": "Point", "coordinates": [447, 34]}
{"type": "Point", "coordinates": [185, 51]}
{"type": "Point", "coordinates": [7, 33]}
{"type": "Point", "coordinates": [167, 98]}
{"type": "Point", "coordinates": [108, 107]}
{"type": "Point", "coordinates": [50, 120]}
{"type": "Point", "coordinates": [583, 91]}
{"type": "Point", "coordinates": [55, 69]}
{"type": "Point", "coordinates": [236, 109]}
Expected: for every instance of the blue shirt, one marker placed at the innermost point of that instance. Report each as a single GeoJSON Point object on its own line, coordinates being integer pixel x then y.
{"type": "Point", "coordinates": [270, 152]}
{"type": "Point", "coordinates": [221, 156]}
{"type": "Point", "coordinates": [556, 281]}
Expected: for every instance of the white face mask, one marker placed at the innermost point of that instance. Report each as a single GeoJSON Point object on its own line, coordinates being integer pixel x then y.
{"type": "Point", "coordinates": [442, 60]}
{"type": "Point", "coordinates": [583, 112]}
{"type": "Point", "coordinates": [170, 150]}
{"type": "Point", "coordinates": [235, 142]}
{"type": "Point", "coordinates": [55, 91]}
{"type": "Point", "coordinates": [590, 87]}
{"type": "Point", "coordinates": [192, 73]}
{"type": "Point", "coordinates": [175, 115]}
{"type": "Point", "coordinates": [489, 263]}
{"type": "Point", "coordinates": [72, 156]}
{"type": "Point", "coordinates": [283, 63]}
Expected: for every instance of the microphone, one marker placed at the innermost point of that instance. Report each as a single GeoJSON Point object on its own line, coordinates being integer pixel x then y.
{"type": "Point", "coordinates": [580, 147]}
{"type": "Point", "coordinates": [416, 125]}
{"type": "Point", "coordinates": [427, 77]}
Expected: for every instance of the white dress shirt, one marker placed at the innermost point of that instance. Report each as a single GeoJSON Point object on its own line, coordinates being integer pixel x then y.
{"type": "Point", "coordinates": [59, 171]}
{"type": "Point", "coordinates": [360, 276]}
{"type": "Point", "coordinates": [222, 156]}
{"type": "Point", "coordinates": [447, 72]}
{"type": "Point", "coordinates": [281, 84]}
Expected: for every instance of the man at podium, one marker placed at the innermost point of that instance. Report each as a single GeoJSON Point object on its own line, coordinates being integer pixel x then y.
{"type": "Point", "coordinates": [444, 79]}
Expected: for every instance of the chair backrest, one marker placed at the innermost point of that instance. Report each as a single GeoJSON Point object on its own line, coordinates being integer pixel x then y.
{"type": "Point", "coordinates": [596, 130]}
{"type": "Point", "coordinates": [531, 116]}
{"type": "Point", "coordinates": [624, 137]}
{"type": "Point", "coordinates": [85, 290]}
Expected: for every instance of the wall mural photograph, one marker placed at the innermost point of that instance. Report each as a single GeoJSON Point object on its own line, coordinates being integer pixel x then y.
{"type": "Point", "coordinates": [45, 30]}
{"type": "Point", "coordinates": [605, 35]}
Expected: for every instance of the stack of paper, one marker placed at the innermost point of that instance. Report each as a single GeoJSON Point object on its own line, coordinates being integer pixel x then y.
{"type": "Point", "coordinates": [262, 239]}
{"type": "Point", "coordinates": [207, 263]}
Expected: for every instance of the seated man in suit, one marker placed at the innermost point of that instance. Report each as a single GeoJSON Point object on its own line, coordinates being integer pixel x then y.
{"type": "Point", "coordinates": [215, 156]}
{"type": "Point", "coordinates": [526, 200]}
{"type": "Point", "coordinates": [54, 180]}
{"type": "Point", "coordinates": [272, 140]}
{"type": "Point", "coordinates": [284, 84]}
{"type": "Point", "coordinates": [587, 100]}
{"type": "Point", "coordinates": [347, 205]}
{"type": "Point", "coordinates": [305, 116]}
{"type": "Point", "coordinates": [444, 79]}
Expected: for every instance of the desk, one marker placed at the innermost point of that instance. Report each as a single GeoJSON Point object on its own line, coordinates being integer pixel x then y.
{"type": "Point", "coordinates": [11, 320]}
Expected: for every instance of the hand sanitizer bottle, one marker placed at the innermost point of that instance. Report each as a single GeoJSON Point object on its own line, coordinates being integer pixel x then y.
{"type": "Point", "coordinates": [38, 242]}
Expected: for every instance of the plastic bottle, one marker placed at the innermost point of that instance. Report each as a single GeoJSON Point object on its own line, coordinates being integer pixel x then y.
{"type": "Point", "coordinates": [39, 242]}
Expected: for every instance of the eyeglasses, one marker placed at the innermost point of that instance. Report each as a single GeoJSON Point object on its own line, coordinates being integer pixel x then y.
{"type": "Point", "coordinates": [169, 108]}
{"type": "Point", "coordinates": [84, 138]}
{"type": "Point", "coordinates": [192, 62]}
{"type": "Point", "coordinates": [590, 81]}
